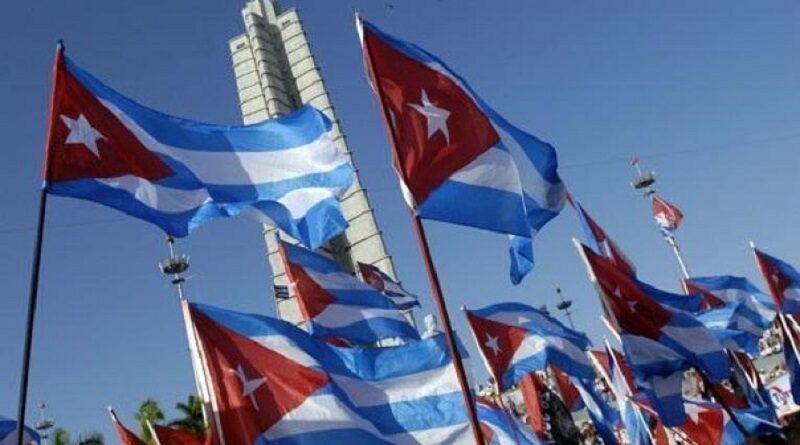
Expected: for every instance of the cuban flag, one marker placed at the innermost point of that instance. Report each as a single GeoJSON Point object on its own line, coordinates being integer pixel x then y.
{"type": "Point", "coordinates": [597, 239]}
{"type": "Point", "coordinates": [604, 417]}
{"type": "Point", "coordinates": [568, 391]}
{"type": "Point", "coordinates": [458, 160]}
{"type": "Point", "coordinates": [500, 427]}
{"type": "Point", "coordinates": [725, 289]}
{"type": "Point", "coordinates": [273, 383]}
{"type": "Point", "coordinates": [8, 433]}
{"type": "Point", "coordinates": [513, 344]}
{"type": "Point", "coordinates": [336, 304]}
{"type": "Point", "coordinates": [376, 278]}
{"type": "Point", "coordinates": [637, 313]}
{"type": "Point", "coordinates": [126, 436]}
{"type": "Point", "coordinates": [637, 429]}
{"type": "Point", "coordinates": [172, 436]}
{"type": "Point", "coordinates": [178, 174]}
{"type": "Point", "coordinates": [668, 216]}
{"type": "Point", "coordinates": [783, 281]}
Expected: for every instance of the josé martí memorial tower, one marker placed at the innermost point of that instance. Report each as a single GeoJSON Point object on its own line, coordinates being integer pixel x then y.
{"type": "Point", "coordinates": [275, 74]}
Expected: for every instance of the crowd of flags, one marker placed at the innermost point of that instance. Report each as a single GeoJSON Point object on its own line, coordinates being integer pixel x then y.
{"type": "Point", "coordinates": [358, 371]}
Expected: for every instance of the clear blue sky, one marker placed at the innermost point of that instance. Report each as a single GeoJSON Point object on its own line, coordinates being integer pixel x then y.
{"type": "Point", "coordinates": [708, 94]}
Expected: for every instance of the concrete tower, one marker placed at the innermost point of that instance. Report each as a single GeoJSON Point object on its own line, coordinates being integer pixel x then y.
{"type": "Point", "coordinates": [275, 74]}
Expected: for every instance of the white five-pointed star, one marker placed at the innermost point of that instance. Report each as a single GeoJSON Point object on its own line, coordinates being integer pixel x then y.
{"type": "Point", "coordinates": [491, 343]}
{"type": "Point", "coordinates": [437, 117]}
{"type": "Point", "coordinates": [82, 132]}
{"type": "Point", "coordinates": [249, 386]}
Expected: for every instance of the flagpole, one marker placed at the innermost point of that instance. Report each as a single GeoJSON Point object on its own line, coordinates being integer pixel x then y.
{"type": "Point", "coordinates": [644, 181]}
{"type": "Point", "coordinates": [438, 298]}
{"type": "Point", "coordinates": [422, 240]}
{"type": "Point", "coordinates": [33, 295]}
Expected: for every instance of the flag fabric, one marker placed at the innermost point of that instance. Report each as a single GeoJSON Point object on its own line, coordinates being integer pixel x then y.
{"type": "Point", "coordinates": [749, 382]}
{"type": "Point", "coordinates": [533, 388]}
{"type": "Point", "coordinates": [667, 215]}
{"type": "Point", "coordinates": [8, 433]}
{"type": "Point", "coordinates": [171, 436]}
{"type": "Point", "coordinates": [736, 311]}
{"type": "Point", "coordinates": [636, 429]}
{"type": "Point", "coordinates": [501, 428]}
{"type": "Point", "coordinates": [636, 313]}
{"type": "Point", "coordinates": [601, 243]}
{"type": "Point", "coordinates": [178, 174]}
{"type": "Point", "coordinates": [659, 342]}
{"type": "Point", "coordinates": [783, 281]}
{"type": "Point", "coordinates": [376, 278]}
{"type": "Point", "coordinates": [603, 416]}
{"type": "Point", "coordinates": [458, 160]}
{"type": "Point", "coordinates": [568, 390]}
{"type": "Point", "coordinates": [126, 436]}
{"type": "Point", "coordinates": [336, 304]}
{"type": "Point", "coordinates": [790, 344]}
{"type": "Point", "coordinates": [273, 383]}
{"type": "Point", "coordinates": [514, 347]}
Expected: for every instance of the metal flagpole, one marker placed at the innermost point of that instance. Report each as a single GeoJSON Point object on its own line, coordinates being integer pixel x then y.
{"type": "Point", "coordinates": [644, 182]}
{"type": "Point", "coordinates": [33, 295]}
{"type": "Point", "coordinates": [175, 266]}
{"type": "Point", "coordinates": [433, 276]}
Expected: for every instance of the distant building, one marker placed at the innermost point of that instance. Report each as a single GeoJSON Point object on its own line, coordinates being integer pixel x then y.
{"type": "Point", "coordinates": [275, 74]}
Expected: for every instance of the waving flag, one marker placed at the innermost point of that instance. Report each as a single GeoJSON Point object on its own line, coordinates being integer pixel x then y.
{"type": "Point", "coordinates": [604, 417]}
{"type": "Point", "coordinates": [336, 304]}
{"type": "Point", "coordinates": [636, 428]}
{"type": "Point", "coordinates": [273, 383]}
{"type": "Point", "coordinates": [601, 243]}
{"type": "Point", "coordinates": [659, 342]}
{"type": "Point", "coordinates": [387, 286]}
{"type": "Point", "coordinates": [502, 428]}
{"type": "Point", "coordinates": [568, 390]}
{"type": "Point", "coordinates": [667, 215]}
{"type": "Point", "coordinates": [533, 388]}
{"type": "Point", "coordinates": [8, 433]}
{"type": "Point", "coordinates": [171, 436]}
{"type": "Point", "coordinates": [790, 344]}
{"type": "Point", "coordinates": [179, 174]}
{"type": "Point", "coordinates": [783, 281]}
{"type": "Point", "coordinates": [459, 161]}
{"type": "Point", "coordinates": [511, 351]}
{"type": "Point", "coordinates": [637, 313]}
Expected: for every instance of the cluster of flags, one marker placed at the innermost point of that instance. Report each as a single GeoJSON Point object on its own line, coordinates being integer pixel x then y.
{"type": "Point", "coordinates": [359, 372]}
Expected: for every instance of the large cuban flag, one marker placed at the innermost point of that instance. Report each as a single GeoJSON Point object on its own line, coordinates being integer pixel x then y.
{"type": "Point", "coordinates": [660, 342]}
{"type": "Point", "coordinates": [458, 160]}
{"type": "Point", "coordinates": [178, 174]}
{"type": "Point", "coordinates": [783, 281]}
{"type": "Point", "coordinates": [8, 433]}
{"type": "Point", "coordinates": [336, 304]}
{"type": "Point", "coordinates": [274, 384]}
{"type": "Point", "coordinates": [515, 340]}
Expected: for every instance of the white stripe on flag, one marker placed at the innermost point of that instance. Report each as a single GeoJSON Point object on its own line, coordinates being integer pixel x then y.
{"type": "Point", "coordinates": [435, 382]}
{"type": "Point", "coordinates": [339, 315]}
{"type": "Point", "coordinates": [244, 168]}
{"type": "Point", "coordinates": [163, 199]}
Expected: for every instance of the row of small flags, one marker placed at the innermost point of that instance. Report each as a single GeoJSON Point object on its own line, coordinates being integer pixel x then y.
{"type": "Point", "coordinates": [459, 161]}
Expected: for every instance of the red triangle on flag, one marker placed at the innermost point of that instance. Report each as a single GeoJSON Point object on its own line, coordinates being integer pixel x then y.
{"type": "Point", "coordinates": [255, 387]}
{"type": "Point", "coordinates": [87, 140]}
{"type": "Point", "coordinates": [497, 342]}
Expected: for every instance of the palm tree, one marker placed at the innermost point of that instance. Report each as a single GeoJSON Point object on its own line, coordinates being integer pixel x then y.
{"type": "Point", "coordinates": [148, 411]}
{"type": "Point", "coordinates": [92, 439]}
{"type": "Point", "coordinates": [192, 419]}
{"type": "Point", "coordinates": [60, 437]}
